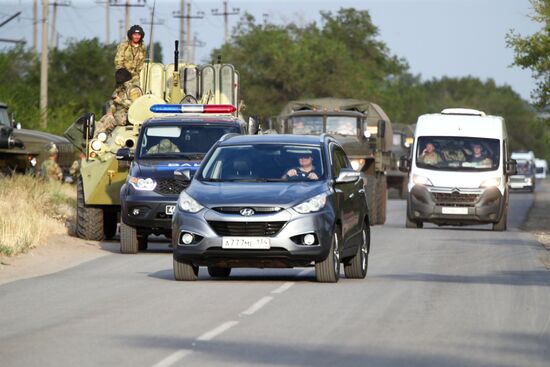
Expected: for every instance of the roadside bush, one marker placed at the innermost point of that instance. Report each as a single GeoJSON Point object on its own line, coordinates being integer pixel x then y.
{"type": "Point", "coordinates": [31, 210]}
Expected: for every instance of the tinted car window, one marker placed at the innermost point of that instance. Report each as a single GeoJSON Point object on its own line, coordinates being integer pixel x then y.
{"type": "Point", "coordinates": [4, 117]}
{"type": "Point", "coordinates": [339, 160]}
{"type": "Point", "coordinates": [260, 162]}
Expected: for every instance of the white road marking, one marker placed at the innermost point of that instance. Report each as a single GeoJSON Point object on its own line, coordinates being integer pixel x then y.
{"type": "Point", "coordinates": [173, 358]}
{"type": "Point", "coordinates": [209, 335]}
{"type": "Point", "coordinates": [283, 288]}
{"type": "Point", "coordinates": [256, 306]}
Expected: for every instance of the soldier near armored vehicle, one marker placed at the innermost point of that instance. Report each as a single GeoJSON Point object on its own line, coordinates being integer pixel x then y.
{"type": "Point", "coordinates": [131, 54]}
{"type": "Point", "coordinates": [50, 170]}
{"type": "Point", "coordinates": [123, 96]}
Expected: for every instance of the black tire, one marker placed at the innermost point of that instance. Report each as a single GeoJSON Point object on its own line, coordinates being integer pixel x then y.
{"type": "Point", "coordinates": [357, 266]}
{"type": "Point", "coordinates": [110, 222]}
{"type": "Point", "coordinates": [142, 241]}
{"type": "Point", "coordinates": [129, 243]}
{"type": "Point", "coordinates": [404, 192]}
{"type": "Point", "coordinates": [370, 191]}
{"type": "Point", "coordinates": [409, 223]}
{"type": "Point", "coordinates": [217, 272]}
{"type": "Point", "coordinates": [501, 225]}
{"type": "Point", "coordinates": [89, 221]}
{"type": "Point", "coordinates": [328, 270]}
{"type": "Point", "coordinates": [185, 271]}
{"type": "Point", "coordinates": [381, 199]}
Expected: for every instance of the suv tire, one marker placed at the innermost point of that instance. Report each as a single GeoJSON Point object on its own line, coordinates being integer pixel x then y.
{"type": "Point", "coordinates": [128, 239]}
{"type": "Point", "coordinates": [356, 267]}
{"type": "Point", "coordinates": [328, 270]}
{"type": "Point", "coordinates": [185, 271]}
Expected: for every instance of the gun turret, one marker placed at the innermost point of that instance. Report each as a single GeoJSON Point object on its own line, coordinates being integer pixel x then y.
{"type": "Point", "coordinates": [176, 93]}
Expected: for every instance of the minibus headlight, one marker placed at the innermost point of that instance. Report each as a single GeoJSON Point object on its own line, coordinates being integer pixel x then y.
{"type": "Point", "coordinates": [421, 180]}
{"type": "Point", "coordinates": [490, 182]}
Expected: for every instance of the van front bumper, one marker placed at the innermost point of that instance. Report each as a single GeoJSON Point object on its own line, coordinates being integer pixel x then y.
{"type": "Point", "coordinates": [455, 206]}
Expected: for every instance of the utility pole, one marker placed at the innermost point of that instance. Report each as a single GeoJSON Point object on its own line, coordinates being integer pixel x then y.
{"type": "Point", "coordinates": [107, 18]}
{"type": "Point", "coordinates": [121, 29]}
{"type": "Point", "coordinates": [6, 22]}
{"type": "Point", "coordinates": [128, 5]}
{"type": "Point", "coordinates": [196, 43]}
{"type": "Point", "coordinates": [225, 14]}
{"type": "Point", "coordinates": [55, 4]}
{"type": "Point", "coordinates": [153, 23]}
{"type": "Point", "coordinates": [34, 26]}
{"type": "Point", "coordinates": [44, 68]}
{"type": "Point", "coordinates": [188, 16]}
{"type": "Point", "coordinates": [181, 15]}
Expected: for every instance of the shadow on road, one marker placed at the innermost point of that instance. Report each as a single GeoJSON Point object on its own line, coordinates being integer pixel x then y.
{"type": "Point", "coordinates": [245, 274]}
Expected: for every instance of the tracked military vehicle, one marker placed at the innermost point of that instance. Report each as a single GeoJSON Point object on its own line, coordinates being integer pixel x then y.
{"type": "Point", "coordinates": [101, 174]}
{"type": "Point", "coordinates": [24, 150]}
{"type": "Point", "coordinates": [361, 127]}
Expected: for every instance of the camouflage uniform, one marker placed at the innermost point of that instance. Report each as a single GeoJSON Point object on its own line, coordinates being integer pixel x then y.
{"type": "Point", "coordinates": [164, 146]}
{"type": "Point", "coordinates": [117, 114]}
{"type": "Point", "coordinates": [75, 169]}
{"type": "Point", "coordinates": [50, 170]}
{"type": "Point", "coordinates": [131, 58]}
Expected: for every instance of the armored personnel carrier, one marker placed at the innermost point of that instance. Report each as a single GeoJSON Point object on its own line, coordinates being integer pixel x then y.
{"type": "Point", "coordinates": [361, 127]}
{"type": "Point", "coordinates": [24, 150]}
{"type": "Point", "coordinates": [101, 174]}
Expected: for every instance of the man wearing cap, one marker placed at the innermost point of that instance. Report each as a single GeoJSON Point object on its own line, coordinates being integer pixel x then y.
{"type": "Point", "coordinates": [50, 170]}
{"type": "Point", "coordinates": [131, 54]}
{"type": "Point", "coordinates": [306, 170]}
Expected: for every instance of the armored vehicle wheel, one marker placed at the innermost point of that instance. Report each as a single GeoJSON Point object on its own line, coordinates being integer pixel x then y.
{"type": "Point", "coordinates": [501, 224]}
{"type": "Point", "coordinates": [89, 221]}
{"type": "Point", "coordinates": [381, 199]}
{"type": "Point", "coordinates": [328, 270]}
{"type": "Point", "coordinates": [185, 271]}
{"type": "Point", "coordinates": [128, 239]}
{"type": "Point", "coordinates": [356, 267]}
{"type": "Point", "coordinates": [110, 222]}
{"type": "Point", "coordinates": [370, 190]}
{"type": "Point", "coordinates": [217, 272]}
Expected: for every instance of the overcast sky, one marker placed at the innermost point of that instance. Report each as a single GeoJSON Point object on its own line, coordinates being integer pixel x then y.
{"type": "Point", "coordinates": [437, 37]}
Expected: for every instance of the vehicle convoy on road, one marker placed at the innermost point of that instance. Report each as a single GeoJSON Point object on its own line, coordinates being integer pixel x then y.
{"type": "Point", "coordinates": [102, 175]}
{"type": "Point", "coordinates": [24, 150]}
{"type": "Point", "coordinates": [403, 137]}
{"type": "Point", "coordinates": [525, 178]}
{"type": "Point", "coordinates": [459, 170]}
{"type": "Point", "coordinates": [272, 201]}
{"type": "Point", "coordinates": [361, 127]}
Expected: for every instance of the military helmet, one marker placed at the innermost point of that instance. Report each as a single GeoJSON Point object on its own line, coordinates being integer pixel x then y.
{"type": "Point", "coordinates": [52, 148]}
{"type": "Point", "coordinates": [136, 29]}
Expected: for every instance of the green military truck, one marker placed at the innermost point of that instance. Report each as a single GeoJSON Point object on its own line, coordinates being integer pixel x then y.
{"type": "Point", "coordinates": [363, 129]}
{"type": "Point", "coordinates": [101, 174]}
{"type": "Point", "coordinates": [24, 150]}
{"type": "Point", "coordinates": [403, 136]}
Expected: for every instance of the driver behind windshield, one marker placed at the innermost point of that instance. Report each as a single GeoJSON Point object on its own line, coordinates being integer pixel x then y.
{"type": "Point", "coordinates": [164, 146]}
{"type": "Point", "coordinates": [305, 170]}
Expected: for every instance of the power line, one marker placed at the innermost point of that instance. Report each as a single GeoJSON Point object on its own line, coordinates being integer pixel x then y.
{"type": "Point", "coordinates": [225, 15]}
{"type": "Point", "coordinates": [127, 5]}
{"type": "Point", "coordinates": [55, 4]}
{"type": "Point", "coordinates": [180, 14]}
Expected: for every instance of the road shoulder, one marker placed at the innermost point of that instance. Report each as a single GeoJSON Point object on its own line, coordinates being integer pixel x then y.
{"type": "Point", "coordinates": [538, 218]}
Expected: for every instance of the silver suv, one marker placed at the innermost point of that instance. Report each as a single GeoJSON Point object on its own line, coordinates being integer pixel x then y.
{"type": "Point", "coordinates": [272, 201]}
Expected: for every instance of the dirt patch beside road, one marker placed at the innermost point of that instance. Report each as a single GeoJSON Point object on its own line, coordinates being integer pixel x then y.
{"type": "Point", "coordinates": [538, 219]}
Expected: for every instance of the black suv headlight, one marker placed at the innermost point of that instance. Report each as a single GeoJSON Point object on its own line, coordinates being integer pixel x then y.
{"type": "Point", "coordinates": [142, 184]}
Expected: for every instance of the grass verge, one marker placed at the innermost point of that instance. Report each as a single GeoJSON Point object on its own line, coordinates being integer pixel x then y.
{"type": "Point", "coordinates": [31, 210]}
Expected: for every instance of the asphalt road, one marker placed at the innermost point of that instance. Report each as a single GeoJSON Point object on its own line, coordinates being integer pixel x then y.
{"type": "Point", "coordinates": [449, 296]}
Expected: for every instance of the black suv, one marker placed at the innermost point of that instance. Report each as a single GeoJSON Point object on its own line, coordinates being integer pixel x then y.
{"type": "Point", "coordinates": [272, 201]}
{"type": "Point", "coordinates": [148, 197]}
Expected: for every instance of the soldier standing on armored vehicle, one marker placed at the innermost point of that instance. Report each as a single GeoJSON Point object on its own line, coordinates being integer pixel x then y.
{"type": "Point", "coordinates": [117, 114]}
{"type": "Point", "coordinates": [131, 54]}
{"type": "Point", "coordinates": [50, 170]}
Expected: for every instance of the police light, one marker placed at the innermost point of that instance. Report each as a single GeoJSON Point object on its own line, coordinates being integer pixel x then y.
{"type": "Point", "coordinates": [193, 108]}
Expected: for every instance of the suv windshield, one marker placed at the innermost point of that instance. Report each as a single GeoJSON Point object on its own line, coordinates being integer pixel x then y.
{"type": "Point", "coordinates": [186, 142]}
{"type": "Point", "coordinates": [264, 162]}
{"type": "Point", "coordinates": [457, 153]}
{"type": "Point", "coordinates": [4, 118]}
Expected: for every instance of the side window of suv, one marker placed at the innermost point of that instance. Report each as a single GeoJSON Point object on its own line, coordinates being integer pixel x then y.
{"type": "Point", "coordinates": [339, 160]}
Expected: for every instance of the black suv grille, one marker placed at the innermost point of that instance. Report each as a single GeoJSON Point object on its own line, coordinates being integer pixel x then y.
{"type": "Point", "coordinates": [459, 200]}
{"type": "Point", "coordinates": [246, 228]}
{"type": "Point", "coordinates": [170, 186]}
{"type": "Point", "coordinates": [237, 209]}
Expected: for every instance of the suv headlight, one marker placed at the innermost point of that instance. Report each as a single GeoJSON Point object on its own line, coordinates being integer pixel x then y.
{"type": "Point", "coordinates": [188, 204]}
{"type": "Point", "coordinates": [421, 180]}
{"type": "Point", "coordinates": [142, 184]}
{"type": "Point", "coordinates": [314, 204]}
{"type": "Point", "coordinates": [490, 182]}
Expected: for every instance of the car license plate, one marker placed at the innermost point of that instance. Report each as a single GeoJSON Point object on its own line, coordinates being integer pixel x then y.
{"type": "Point", "coordinates": [244, 243]}
{"type": "Point", "coordinates": [453, 210]}
{"type": "Point", "coordinates": [170, 209]}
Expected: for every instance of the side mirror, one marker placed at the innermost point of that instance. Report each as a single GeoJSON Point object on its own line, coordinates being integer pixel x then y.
{"type": "Point", "coordinates": [404, 164]}
{"type": "Point", "coordinates": [381, 128]}
{"type": "Point", "coordinates": [253, 125]}
{"type": "Point", "coordinates": [18, 126]}
{"type": "Point", "coordinates": [124, 154]}
{"type": "Point", "coordinates": [348, 175]}
{"type": "Point", "coordinates": [182, 175]}
{"type": "Point", "coordinates": [511, 167]}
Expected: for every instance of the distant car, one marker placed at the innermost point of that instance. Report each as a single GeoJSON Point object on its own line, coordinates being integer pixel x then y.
{"type": "Point", "coordinates": [524, 179]}
{"type": "Point", "coordinates": [541, 167]}
{"type": "Point", "coordinates": [251, 205]}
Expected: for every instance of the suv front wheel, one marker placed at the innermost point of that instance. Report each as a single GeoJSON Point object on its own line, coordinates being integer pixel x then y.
{"type": "Point", "coordinates": [328, 270]}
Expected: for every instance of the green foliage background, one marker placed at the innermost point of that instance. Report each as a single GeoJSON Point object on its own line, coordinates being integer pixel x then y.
{"type": "Point", "coordinates": [341, 56]}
